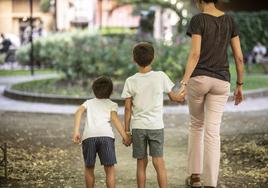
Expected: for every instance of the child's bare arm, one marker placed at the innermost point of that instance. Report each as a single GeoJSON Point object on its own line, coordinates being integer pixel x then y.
{"type": "Point", "coordinates": [77, 121]}
{"type": "Point", "coordinates": [119, 127]}
{"type": "Point", "coordinates": [128, 111]}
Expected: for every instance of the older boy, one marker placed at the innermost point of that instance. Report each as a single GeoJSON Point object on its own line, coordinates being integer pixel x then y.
{"type": "Point", "coordinates": [143, 93]}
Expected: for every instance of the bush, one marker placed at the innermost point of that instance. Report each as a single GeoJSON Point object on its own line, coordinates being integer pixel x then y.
{"type": "Point", "coordinates": [253, 28]}
{"type": "Point", "coordinates": [45, 5]}
{"type": "Point", "coordinates": [80, 55]}
{"type": "Point", "coordinates": [45, 50]}
{"type": "Point", "coordinates": [171, 59]}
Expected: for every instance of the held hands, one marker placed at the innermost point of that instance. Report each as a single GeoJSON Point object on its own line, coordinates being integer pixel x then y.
{"type": "Point", "coordinates": [76, 137]}
{"type": "Point", "coordinates": [127, 139]}
{"type": "Point", "coordinates": [182, 93]}
{"type": "Point", "coordinates": [238, 95]}
{"type": "Point", "coordinates": [177, 94]}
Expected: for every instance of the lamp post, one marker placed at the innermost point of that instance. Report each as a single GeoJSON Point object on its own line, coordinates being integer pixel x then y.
{"type": "Point", "coordinates": [31, 37]}
{"type": "Point", "coordinates": [53, 7]}
{"type": "Point", "coordinates": [100, 14]}
{"type": "Point", "coordinates": [55, 15]}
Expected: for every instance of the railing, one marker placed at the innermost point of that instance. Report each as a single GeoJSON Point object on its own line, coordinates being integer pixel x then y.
{"type": "Point", "coordinates": [3, 162]}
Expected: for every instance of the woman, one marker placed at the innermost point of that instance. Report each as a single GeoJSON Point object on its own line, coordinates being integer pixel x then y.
{"type": "Point", "coordinates": [207, 83]}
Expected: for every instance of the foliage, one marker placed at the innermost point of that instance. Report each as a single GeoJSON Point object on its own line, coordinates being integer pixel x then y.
{"type": "Point", "coordinates": [163, 4]}
{"type": "Point", "coordinates": [171, 59]}
{"type": "Point", "coordinates": [253, 28]}
{"type": "Point", "coordinates": [90, 56]}
{"type": "Point", "coordinates": [80, 55]}
{"type": "Point", "coordinates": [45, 5]}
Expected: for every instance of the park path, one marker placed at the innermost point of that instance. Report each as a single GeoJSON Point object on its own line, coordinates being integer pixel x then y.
{"type": "Point", "coordinates": [7, 104]}
{"type": "Point", "coordinates": [45, 139]}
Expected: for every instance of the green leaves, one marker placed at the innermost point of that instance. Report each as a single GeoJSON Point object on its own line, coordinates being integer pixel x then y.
{"type": "Point", "coordinates": [253, 28]}
{"type": "Point", "coordinates": [81, 55]}
{"type": "Point", "coordinates": [45, 5]}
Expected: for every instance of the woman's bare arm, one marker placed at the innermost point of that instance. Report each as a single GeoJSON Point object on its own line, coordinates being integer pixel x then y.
{"type": "Point", "coordinates": [239, 62]}
{"type": "Point", "coordinates": [193, 57]}
{"type": "Point", "coordinates": [238, 56]}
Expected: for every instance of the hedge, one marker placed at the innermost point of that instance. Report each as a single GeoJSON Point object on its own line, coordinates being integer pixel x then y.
{"type": "Point", "coordinates": [81, 55]}
{"type": "Point", "coordinates": [253, 28]}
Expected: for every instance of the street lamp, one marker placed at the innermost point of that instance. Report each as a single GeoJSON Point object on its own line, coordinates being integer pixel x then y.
{"type": "Point", "coordinates": [53, 8]}
{"type": "Point", "coordinates": [100, 14]}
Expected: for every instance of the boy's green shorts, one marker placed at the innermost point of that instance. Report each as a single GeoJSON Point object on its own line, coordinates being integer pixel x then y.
{"type": "Point", "coordinates": [141, 138]}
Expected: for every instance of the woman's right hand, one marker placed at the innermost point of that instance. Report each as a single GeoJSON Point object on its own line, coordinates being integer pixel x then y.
{"type": "Point", "coordinates": [182, 89]}
{"type": "Point", "coordinates": [238, 95]}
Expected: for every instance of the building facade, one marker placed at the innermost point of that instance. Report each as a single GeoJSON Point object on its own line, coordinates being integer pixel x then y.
{"type": "Point", "coordinates": [68, 14]}
{"type": "Point", "coordinates": [14, 16]}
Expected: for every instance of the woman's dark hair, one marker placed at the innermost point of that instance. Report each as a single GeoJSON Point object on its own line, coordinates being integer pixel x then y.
{"type": "Point", "coordinates": [102, 87]}
{"type": "Point", "coordinates": [210, 1]}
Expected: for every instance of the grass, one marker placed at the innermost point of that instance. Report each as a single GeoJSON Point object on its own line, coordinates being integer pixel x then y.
{"type": "Point", "coordinates": [252, 82]}
{"type": "Point", "coordinates": [24, 72]}
{"type": "Point", "coordinates": [116, 30]}
{"type": "Point", "coordinates": [55, 86]}
{"type": "Point", "coordinates": [255, 80]}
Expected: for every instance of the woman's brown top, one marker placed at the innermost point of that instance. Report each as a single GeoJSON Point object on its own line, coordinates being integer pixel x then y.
{"type": "Point", "coordinates": [216, 33]}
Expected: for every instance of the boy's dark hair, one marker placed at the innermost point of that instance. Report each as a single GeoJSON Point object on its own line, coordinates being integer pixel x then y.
{"type": "Point", "coordinates": [211, 1]}
{"type": "Point", "coordinates": [143, 54]}
{"type": "Point", "coordinates": [102, 87]}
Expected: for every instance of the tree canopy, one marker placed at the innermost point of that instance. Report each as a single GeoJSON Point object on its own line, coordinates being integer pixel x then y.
{"type": "Point", "coordinates": [176, 5]}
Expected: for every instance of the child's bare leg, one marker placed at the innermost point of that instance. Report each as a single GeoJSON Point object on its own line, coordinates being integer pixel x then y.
{"type": "Point", "coordinates": [89, 177]}
{"type": "Point", "coordinates": [159, 165]}
{"type": "Point", "coordinates": [141, 172]}
{"type": "Point", "coordinates": [110, 176]}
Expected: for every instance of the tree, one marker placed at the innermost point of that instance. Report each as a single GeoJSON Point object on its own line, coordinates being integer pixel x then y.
{"type": "Point", "coordinates": [174, 5]}
{"type": "Point", "coordinates": [45, 5]}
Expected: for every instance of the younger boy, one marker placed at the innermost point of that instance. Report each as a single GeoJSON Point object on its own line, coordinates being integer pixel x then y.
{"type": "Point", "coordinates": [143, 93]}
{"type": "Point", "coordinates": [98, 137]}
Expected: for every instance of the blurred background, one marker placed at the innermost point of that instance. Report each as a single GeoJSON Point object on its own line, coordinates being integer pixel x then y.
{"type": "Point", "coordinates": [88, 38]}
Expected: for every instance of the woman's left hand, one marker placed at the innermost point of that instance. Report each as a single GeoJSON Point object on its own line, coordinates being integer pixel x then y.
{"type": "Point", "coordinates": [238, 95]}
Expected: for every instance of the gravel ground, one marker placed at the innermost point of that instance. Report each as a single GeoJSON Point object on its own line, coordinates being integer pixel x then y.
{"type": "Point", "coordinates": [41, 154]}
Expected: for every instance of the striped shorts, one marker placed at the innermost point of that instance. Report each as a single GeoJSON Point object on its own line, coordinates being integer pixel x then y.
{"type": "Point", "coordinates": [103, 146]}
